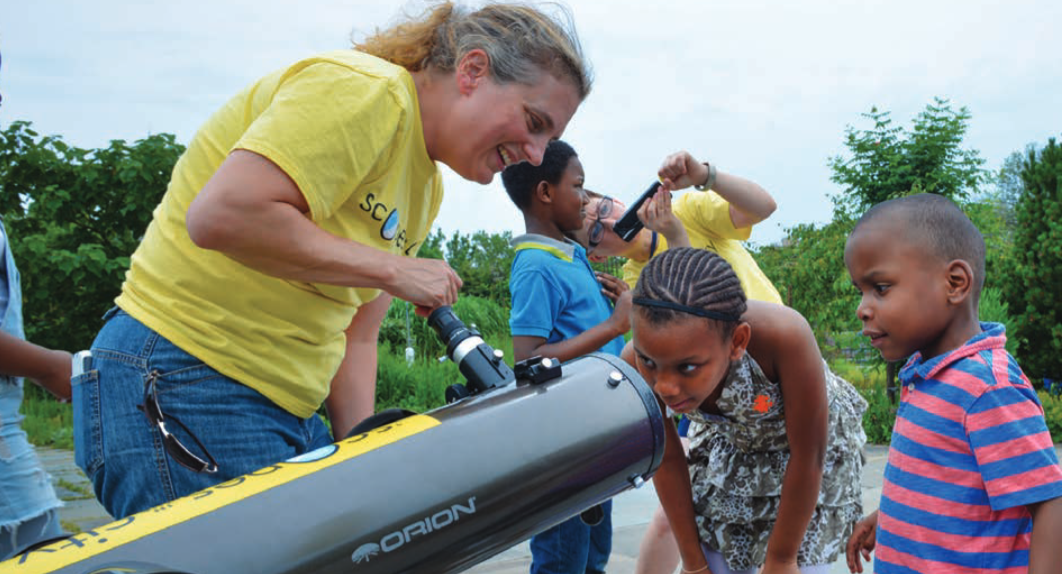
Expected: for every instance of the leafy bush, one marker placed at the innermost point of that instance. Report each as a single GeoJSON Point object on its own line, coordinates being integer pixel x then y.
{"type": "Point", "coordinates": [487, 316]}
{"type": "Point", "coordinates": [74, 217]}
{"type": "Point", "coordinates": [1031, 289]}
{"type": "Point", "coordinates": [808, 270]}
{"type": "Point", "coordinates": [1052, 413]}
{"type": "Point", "coordinates": [880, 416]}
{"type": "Point", "coordinates": [993, 309]}
{"type": "Point", "coordinates": [869, 380]}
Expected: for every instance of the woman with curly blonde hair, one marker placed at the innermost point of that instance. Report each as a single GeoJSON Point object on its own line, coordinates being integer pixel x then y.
{"type": "Point", "coordinates": [292, 219]}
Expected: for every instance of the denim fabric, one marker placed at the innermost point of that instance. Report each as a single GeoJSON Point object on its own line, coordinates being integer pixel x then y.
{"type": "Point", "coordinates": [10, 289]}
{"type": "Point", "coordinates": [123, 454]}
{"type": "Point", "coordinates": [573, 547]}
{"type": "Point", "coordinates": [26, 490]}
{"type": "Point", "coordinates": [36, 531]}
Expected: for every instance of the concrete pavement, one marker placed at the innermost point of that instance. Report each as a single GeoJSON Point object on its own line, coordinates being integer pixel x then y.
{"type": "Point", "coordinates": [632, 511]}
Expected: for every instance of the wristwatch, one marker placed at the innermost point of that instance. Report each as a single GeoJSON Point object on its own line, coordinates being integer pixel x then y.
{"type": "Point", "coordinates": [708, 183]}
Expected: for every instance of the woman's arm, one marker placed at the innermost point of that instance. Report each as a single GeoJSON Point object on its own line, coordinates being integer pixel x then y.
{"type": "Point", "coordinates": [749, 202]}
{"type": "Point", "coordinates": [49, 369]}
{"type": "Point", "coordinates": [352, 397]}
{"type": "Point", "coordinates": [785, 346]}
{"type": "Point", "coordinates": [251, 211]}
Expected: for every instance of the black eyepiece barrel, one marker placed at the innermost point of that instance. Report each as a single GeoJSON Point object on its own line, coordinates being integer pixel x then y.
{"type": "Point", "coordinates": [445, 323]}
{"type": "Point", "coordinates": [477, 361]}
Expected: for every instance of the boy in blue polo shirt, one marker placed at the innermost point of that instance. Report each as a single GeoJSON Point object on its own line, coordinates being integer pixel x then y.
{"type": "Point", "coordinates": [561, 309]}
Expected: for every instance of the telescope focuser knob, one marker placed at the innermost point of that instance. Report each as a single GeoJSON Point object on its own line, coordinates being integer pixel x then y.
{"type": "Point", "coordinates": [455, 393]}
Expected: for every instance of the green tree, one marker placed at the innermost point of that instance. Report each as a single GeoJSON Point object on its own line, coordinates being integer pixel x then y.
{"type": "Point", "coordinates": [887, 161]}
{"type": "Point", "coordinates": [483, 261]}
{"type": "Point", "coordinates": [1009, 186]}
{"type": "Point", "coordinates": [433, 246]}
{"type": "Point", "coordinates": [1031, 289]}
{"type": "Point", "coordinates": [75, 215]}
{"type": "Point", "coordinates": [808, 269]}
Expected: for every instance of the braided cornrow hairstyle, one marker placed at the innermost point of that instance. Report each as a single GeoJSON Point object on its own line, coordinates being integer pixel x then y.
{"type": "Point", "coordinates": [694, 278]}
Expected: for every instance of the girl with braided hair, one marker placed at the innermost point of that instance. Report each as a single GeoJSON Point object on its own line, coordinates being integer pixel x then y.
{"type": "Point", "coordinates": [772, 478]}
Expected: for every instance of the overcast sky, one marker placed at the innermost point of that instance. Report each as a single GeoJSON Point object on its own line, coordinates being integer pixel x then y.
{"type": "Point", "coordinates": [762, 88]}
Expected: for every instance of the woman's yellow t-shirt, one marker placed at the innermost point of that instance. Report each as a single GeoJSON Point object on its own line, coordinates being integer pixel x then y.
{"type": "Point", "coordinates": [346, 127]}
{"type": "Point", "coordinates": [706, 217]}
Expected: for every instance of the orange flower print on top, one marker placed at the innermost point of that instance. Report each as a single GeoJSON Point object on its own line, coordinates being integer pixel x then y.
{"type": "Point", "coordinates": [763, 403]}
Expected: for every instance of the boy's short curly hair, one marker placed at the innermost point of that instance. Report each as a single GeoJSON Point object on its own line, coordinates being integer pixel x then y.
{"type": "Point", "coordinates": [521, 179]}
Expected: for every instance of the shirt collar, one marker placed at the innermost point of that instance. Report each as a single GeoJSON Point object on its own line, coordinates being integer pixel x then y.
{"type": "Point", "coordinates": [565, 250]}
{"type": "Point", "coordinates": [992, 336]}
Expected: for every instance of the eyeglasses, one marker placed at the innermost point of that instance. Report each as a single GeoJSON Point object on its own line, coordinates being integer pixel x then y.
{"type": "Point", "coordinates": [174, 447]}
{"type": "Point", "coordinates": [597, 228]}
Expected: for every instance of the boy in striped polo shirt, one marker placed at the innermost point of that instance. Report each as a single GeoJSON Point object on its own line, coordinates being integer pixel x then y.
{"type": "Point", "coordinates": [972, 483]}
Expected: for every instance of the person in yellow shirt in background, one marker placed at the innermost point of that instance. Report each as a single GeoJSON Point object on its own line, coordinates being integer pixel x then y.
{"type": "Point", "coordinates": [292, 219]}
{"type": "Point", "coordinates": [717, 217]}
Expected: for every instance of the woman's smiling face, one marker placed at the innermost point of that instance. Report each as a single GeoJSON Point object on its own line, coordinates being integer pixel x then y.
{"type": "Point", "coordinates": [496, 125]}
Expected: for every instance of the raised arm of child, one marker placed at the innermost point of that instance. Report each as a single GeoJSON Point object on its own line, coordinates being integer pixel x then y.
{"type": "Point", "coordinates": [49, 369]}
{"type": "Point", "coordinates": [785, 339]}
{"type": "Point", "coordinates": [1046, 536]}
{"type": "Point", "coordinates": [749, 202]}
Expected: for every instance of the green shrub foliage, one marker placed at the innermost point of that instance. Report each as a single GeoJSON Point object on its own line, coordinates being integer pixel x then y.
{"type": "Point", "coordinates": [75, 216]}
{"type": "Point", "coordinates": [490, 318]}
{"type": "Point", "coordinates": [1032, 286]}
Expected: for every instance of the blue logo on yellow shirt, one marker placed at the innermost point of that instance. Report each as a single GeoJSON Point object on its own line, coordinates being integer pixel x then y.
{"type": "Point", "coordinates": [389, 229]}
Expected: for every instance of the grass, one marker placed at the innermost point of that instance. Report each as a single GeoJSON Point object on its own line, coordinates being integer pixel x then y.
{"type": "Point", "coordinates": [79, 492]}
{"type": "Point", "coordinates": [48, 422]}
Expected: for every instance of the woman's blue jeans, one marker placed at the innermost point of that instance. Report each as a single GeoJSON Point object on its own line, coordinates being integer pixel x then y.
{"type": "Point", "coordinates": [573, 546]}
{"type": "Point", "coordinates": [122, 453]}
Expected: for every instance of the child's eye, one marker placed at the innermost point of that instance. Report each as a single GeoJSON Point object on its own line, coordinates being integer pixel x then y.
{"type": "Point", "coordinates": [646, 362]}
{"type": "Point", "coordinates": [687, 368]}
{"type": "Point", "coordinates": [881, 288]}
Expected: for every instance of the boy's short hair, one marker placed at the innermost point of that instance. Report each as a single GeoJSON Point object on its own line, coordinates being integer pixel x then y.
{"type": "Point", "coordinates": [521, 179]}
{"type": "Point", "coordinates": [935, 222]}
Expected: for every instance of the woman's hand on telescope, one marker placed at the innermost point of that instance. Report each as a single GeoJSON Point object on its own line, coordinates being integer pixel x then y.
{"type": "Point", "coordinates": [427, 283]}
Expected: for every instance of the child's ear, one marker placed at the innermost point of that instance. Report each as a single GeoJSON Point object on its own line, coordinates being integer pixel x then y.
{"type": "Point", "coordinates": [739, 341]}
{"type": "Point", "coordinates": [960, 278]}
{"type": "Point", "coordinates": [543, 192]}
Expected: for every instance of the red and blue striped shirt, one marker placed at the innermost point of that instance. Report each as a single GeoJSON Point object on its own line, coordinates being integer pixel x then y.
{"type": "Point", "coordinates": [969, 450]}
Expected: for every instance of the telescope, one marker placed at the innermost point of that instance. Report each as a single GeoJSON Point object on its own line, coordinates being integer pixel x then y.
{"type": "Point", "coordinates": [514, 452]}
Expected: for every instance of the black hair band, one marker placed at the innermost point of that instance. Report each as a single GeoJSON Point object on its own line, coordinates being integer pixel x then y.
{"type": "Point", "coordinates": [706, 313]}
